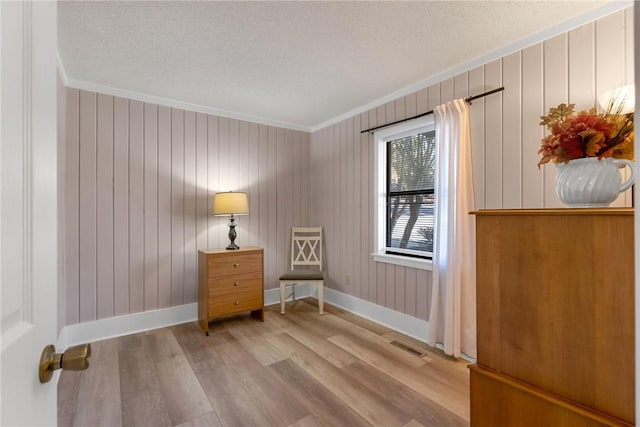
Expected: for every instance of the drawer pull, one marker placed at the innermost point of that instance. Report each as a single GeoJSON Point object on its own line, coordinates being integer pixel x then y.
{"type": "Point", "coordinates": [236, 284]}
{"type": "Point", "coordinates": [236, 303]}
{"type": "Point", "coordinates": [236, 265]}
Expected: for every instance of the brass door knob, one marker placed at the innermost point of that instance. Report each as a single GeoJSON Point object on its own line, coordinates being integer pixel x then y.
{"type": "Point", "coordinates": [74, 359]}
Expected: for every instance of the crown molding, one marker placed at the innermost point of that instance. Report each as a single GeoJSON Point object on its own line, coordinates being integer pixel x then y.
{"type": "Point", "coordinates": [62, 71]}
{"type": "Point", "coordinates": [538, 37]}
{"type": "Point", "coordinates": [600, 12]}
{"type": "Point", "coordinates": [168, 102]}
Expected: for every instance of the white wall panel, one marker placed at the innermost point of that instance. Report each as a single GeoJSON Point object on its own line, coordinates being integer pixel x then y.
{"type": "Point", "coordinates": [88, 211]}
{"type": "Point", "coordinates": [71, 222]}
{"type": "Point", "coordinates": [582, 66]}
{"type": "Point", "coordinates": [164, 207]}
{"type": "Point", "coordinates": [136, 207]}
{"type": "Point", "coordinates": [505, 136]}
{"type": "Point", "coordinates": [190, 218]}
{"type": "Point", "coordinates": [120, 207]}
{"type": "Point", "coordinates": [150, 207]}
{"type": "Point", "coordinates": [555, 91]}
{"type": "Point", "coordinates": [532, 132]}
{"type": "Point", "coordinates": [104, 242]}
{"type": "Point", "coordinates": [476, 124]}
{"type": "Point", "coordinates": [493, 137]}
{"type": "Point", "coordinates": [511, 133]}
{"type": "Point", "coordinates": [138, 186]}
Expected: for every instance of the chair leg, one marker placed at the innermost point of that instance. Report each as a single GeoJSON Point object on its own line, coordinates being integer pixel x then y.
{"type": "Point", "coordinates": [321, 298]}
{"type": "Point", "coordinates": [282, 297]}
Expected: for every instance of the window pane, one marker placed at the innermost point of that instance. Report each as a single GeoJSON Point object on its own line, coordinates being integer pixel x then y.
{"type": "Point", "coordinates": [412, 162]}
{"type": "Point", "coordinates": [410, 222]}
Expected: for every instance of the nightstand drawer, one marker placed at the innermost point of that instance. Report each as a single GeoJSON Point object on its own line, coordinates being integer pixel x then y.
{"type": "Point", "coordinates": [234, 303]}
{"type": "Point", "coordinates": [234, 263]}
{"type": "Point", "coordinates": [234, 284]}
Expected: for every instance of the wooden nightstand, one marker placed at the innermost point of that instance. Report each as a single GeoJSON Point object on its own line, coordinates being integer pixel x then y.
{"type": "Point", "coordinates": [229, 282]}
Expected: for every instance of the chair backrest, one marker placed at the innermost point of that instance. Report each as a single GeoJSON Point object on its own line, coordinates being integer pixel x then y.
{"type": "Point", "coordinates": [306, 246]}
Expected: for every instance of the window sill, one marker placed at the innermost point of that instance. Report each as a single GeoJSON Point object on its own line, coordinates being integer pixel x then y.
{"type": "Point", "coordinates": [423, 264]}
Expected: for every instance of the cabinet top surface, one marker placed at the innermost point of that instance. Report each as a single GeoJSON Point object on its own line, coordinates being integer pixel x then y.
{"type": "Point", "coordinates": [545, 212]}
{"type": "Point", "coordinates": [227, 251]}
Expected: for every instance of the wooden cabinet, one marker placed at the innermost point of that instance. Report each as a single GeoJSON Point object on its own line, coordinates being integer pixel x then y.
{"type": "Point", "coordinates": [229, 282]}
{"type": "Point", "coordinates": [555, 318]}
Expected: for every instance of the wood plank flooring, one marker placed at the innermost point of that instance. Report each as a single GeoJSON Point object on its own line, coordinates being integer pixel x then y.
{"type": "Point", "coordinates": [300, 369]}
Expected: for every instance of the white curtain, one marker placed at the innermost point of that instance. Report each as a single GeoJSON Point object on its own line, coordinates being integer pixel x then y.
{"type": "Point", "coordinates": [452, 316]}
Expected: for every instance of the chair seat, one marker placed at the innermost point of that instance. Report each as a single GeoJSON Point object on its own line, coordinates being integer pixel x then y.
{"type": "Point", "coordinates": [302, 275]}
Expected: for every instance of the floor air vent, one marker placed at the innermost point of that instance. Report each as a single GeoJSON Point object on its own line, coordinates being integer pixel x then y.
{"type": "Point", "coordinates": [409, 349]}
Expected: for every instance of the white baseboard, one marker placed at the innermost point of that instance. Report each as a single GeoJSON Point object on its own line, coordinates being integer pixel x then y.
{"type": "Point", "coordinates": [403, 323]}
{"type": "Point", "coordinates": [126, 325]}
{"type": "Point", "coordinates": [112, 327]}
{"type": "Point", "coordinates": [139, 322]}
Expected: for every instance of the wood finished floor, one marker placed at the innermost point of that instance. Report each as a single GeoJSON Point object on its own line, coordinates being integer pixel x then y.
{"type": "Point", "coordinates": [300, 370]}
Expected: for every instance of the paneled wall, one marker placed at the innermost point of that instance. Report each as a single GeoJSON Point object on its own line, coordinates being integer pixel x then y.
{"type": "Point", "coordinates": [571, 67]}
{"type": "Point", "coordinates": [137, 194]}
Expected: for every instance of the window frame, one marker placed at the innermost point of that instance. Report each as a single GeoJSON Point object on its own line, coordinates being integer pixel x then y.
{"type": "Point", "coordinates": [381, 137]}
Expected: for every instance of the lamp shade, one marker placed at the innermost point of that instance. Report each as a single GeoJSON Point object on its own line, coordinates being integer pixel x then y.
{"type": "Point", "coordinates": [230, 203]}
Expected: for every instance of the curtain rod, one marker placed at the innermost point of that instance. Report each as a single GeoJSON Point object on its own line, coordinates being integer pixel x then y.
{"type": "Point", "coordinates": [468, 100]}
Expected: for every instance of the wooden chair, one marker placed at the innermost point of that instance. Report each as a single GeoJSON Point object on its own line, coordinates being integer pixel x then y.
{"type": "Point", "coordinates": [306, 252]}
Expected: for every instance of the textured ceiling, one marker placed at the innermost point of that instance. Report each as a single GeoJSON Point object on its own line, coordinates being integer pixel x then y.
{"type": "Point", "coordinates": [297, 63]}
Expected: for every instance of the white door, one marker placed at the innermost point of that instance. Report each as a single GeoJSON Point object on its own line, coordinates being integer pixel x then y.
{"type": "Point", "coordinates": [28, 219]}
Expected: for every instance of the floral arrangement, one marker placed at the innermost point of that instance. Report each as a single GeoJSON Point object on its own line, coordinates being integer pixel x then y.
{"type": "Point", "coordinates": [585, 134]}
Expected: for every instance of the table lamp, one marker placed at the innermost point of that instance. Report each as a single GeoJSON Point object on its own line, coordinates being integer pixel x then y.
{"type": "Point", "coordinates": [231, 203]}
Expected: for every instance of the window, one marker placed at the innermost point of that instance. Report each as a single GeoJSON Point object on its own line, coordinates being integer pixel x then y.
{"type": "Point", "coordinates": [405, 170]}
{"type": "Point", "coordinates": [410, 188]}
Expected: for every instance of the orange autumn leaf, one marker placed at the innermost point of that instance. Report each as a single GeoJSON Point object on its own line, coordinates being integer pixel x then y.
{"type": "Point", "coordinates": [587, 133]}
{"type": "Point", "coordinates": [593, 142]}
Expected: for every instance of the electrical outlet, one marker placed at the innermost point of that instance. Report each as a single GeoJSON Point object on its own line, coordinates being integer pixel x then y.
{"type": "Point", "coordinates": [348, 280]}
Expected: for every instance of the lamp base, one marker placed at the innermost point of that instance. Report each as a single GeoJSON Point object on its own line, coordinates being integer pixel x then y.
{"type": "Point", "coordinates": [232, 235]}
